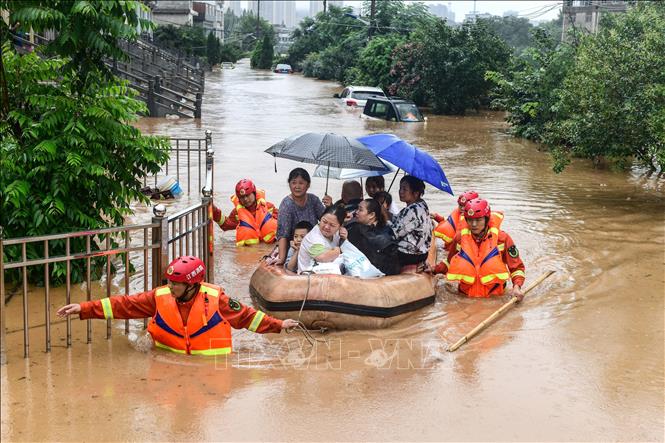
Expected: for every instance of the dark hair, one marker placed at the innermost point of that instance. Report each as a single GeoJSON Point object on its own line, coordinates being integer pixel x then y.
{"type": "Point", "coordinates": [383, 197]}
{"type": "Point", "coordinates": [352, 190]}
{"type": "Point", "coordinates": [299, 172]}
{"type": "Point", "coordinates": [378, 180]}
{"type": "Point", "coordinates": [338, 211]}
{"type": "Point", "coordinates": [416, 184]}
{"type": "Point", "coordinates": [374, 207]}
{"type": "Point", "coordinates": [303, 224]}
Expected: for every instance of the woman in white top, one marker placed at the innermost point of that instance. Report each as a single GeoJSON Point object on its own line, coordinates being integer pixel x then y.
{"type": "Point", "coordinates": [321, 244]}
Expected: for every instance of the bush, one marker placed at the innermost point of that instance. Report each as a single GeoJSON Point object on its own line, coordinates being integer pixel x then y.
{"type": "Point", "coordinates": [71, 159]}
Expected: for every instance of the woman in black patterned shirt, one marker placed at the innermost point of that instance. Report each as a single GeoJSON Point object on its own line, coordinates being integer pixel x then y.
{"type": "Point", "coordinates": [412, 226]}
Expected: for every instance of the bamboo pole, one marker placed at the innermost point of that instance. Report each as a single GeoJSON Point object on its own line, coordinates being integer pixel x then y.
{"type": "Point", "coordinates": [497, 314]}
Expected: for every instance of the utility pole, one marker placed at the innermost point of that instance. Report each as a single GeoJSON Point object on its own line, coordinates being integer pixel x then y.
{"type": "Point", "coordinates": [258, 18]}
{"type": "Point", "coordinates": [325, 6]}
{"type": "Point", "coordinates": [372, 13]}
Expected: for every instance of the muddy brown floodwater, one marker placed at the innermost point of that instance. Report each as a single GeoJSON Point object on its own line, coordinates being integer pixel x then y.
{"type": "Point", "coordinates": [580, 359]}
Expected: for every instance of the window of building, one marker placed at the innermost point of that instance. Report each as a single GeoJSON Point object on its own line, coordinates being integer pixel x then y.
{"type": "Point", "coordinates": [587, 17]}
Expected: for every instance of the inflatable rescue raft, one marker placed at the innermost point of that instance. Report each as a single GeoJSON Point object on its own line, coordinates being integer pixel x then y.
{"type": "Point", "coordinates": [338, 301]}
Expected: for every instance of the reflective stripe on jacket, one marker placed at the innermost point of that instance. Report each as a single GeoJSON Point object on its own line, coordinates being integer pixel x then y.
{"type": "Point", "coordinates": [253, 228]}
{"type": "Point", "coordinates": [447, 228]}
{"type": "Point", "coordinates": [206, 332]}
{"type": "Point", "coordinates": [479, 268]}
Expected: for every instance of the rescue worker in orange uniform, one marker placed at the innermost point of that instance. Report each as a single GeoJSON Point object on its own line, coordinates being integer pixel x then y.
{"type": "Point", "coordinates": [189, 316]}
{"type": "Point", "coordinates": [482, 257]}
{"type": "Point", "coordinates": [253, 218]}
{"type": "Point", "coordinates": [448, 227]}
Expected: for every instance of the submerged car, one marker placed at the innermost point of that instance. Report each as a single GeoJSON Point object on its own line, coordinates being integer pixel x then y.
{"type": "Point", "coordinates": [356, 96]}
{"type": "Point", "coordinates": [392, 109]}
{"type": "Point", "coordinates": [283, 68]}
{"type": "Point", "coordinates": [228, 65]}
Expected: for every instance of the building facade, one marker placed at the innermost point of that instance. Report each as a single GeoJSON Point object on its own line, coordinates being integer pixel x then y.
{"type": "Point", "coordinates": [234, 6]}
{"type": "Point", "coordinates": [210, 16]}
{"type": "Point", "coordinates": [278, 13]}
{"type": "Point", "coordinates": [174, 12]}
{"type": "Point", "coordinates": [443, 11]}
{"type": "Point", "coordinates": [585, 14]}
{"type": "Point", "coordinates": [317, 6]}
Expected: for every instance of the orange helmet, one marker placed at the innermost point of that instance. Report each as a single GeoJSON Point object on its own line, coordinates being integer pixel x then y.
{"type": "Point", "coordinates": [465, 197]}
{"type": "Point", "coordinates": [477, 208]}
{"type": "Point", "coordinates": [245, 187]}
{"type": "Point", "coordinates": [186, 269]}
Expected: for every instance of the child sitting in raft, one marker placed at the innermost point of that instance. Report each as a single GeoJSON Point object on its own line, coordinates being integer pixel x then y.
{"type": "Point", "coordinates": [386, 201]}
{"type": "Point", "coordinates": [301, 229]}
{"type": "Point", "coordinates": [376, 186]}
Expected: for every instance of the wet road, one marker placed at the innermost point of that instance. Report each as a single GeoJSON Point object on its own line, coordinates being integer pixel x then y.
{"type": "Point", "coordinates": [580, 359]}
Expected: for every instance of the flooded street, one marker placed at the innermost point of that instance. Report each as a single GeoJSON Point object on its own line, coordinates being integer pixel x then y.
{"type": "Point", "coordinates": [581, 359]}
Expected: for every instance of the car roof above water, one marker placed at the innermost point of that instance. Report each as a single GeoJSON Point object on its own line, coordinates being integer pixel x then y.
{"type": "Point", "coordinates": [365, 88]}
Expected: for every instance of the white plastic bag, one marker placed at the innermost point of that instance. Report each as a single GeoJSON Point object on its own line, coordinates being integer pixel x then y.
{"type": "Point", "coordinates": [327, 268]}
{"type": "Point", "coordinates": [357, 264]}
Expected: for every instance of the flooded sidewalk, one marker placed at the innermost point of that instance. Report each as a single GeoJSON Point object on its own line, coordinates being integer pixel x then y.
{"type": "Point", "coordinates": [580, 359]}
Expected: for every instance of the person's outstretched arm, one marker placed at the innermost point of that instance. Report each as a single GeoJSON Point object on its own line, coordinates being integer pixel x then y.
{"type": "Point", "coordinates": [140, 305]}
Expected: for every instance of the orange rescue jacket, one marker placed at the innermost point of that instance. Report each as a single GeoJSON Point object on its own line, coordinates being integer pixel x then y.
{"type": "Point", "coordinates": [252, 228]}
{"type": "Point", "coordinates": [447, 228]}
{"type": "Point", "coordinates": [206, 332]}
{"type": "Point", "coordinates": [479, 267]}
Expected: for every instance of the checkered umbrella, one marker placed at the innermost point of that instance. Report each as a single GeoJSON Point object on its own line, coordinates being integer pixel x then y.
{"type": "Point", "coordinates": [330, 150]}
{"type": "Point", "coordinates": [334, 150]}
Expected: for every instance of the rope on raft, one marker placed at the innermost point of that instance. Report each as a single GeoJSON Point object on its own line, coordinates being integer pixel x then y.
{"type": "Point", "coordinates": [301, 326]}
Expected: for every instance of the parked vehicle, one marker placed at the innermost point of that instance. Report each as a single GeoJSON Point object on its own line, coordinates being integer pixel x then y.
{"type": "Point", "coordinates": [228, 65]}
{"type": "Point", "coordinates": [356, 96]}
{"type": "Point", "coordinates": [283, 68]}
{"type": "Point", "coordinates": [392, 109]}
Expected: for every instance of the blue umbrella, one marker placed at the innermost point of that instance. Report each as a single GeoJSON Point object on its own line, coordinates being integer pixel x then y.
{"type": "Point", "coordinates": [405, 156]}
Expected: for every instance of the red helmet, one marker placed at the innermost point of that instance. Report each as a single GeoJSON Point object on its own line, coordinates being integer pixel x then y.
{"type": "Point", "coordinates": [245, 187]}
{"type": "Point", "coordinates": [477, 208]}
{"type": "Point", "coordinates": [186, 269]}
{"type": "Point", "coordinates": [465, 197]}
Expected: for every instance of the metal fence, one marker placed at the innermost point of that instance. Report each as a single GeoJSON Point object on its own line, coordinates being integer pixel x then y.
{"type": "Point", "coordinates": [140, 252]}
{"type": "Point", "coordinates": [187, 162]}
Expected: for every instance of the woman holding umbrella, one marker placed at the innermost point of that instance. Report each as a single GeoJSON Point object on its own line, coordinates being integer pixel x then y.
{"type": "Point", "coordinates": [412, 226]}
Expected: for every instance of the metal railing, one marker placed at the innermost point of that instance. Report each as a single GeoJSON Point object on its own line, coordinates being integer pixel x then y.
{"type": "Point", "coordinates": [148, 246]}
{"type": "Point", "coordinates": [187, 153]}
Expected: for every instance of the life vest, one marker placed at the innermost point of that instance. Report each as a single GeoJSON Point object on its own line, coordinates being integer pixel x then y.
{"type": "Point", "coordinates": [206, 332]}
{"type": "Point", "coordinates": [253, 228]}
{"type": "Point", "coordinates": [447, 228]}
{"type": "Point", "coordinates": [479, 268]}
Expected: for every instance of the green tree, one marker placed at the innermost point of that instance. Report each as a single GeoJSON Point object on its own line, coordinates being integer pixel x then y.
{"type": "Point", "coordinates": [245, 31]}
{"type": "Point", "coordinates": [515, 31]}
{"type": "Point", "coordinates": [375, 61]}
{"type": "Point", "coordinates": [213, 50]}
{"type": "Point", "coordinates": [71, 159]}
{"type": "Point", "coordinates": [315, 35]}
{"type": "Point", "coordinates": [190, 40]}
{"type": "Point", "coordinates": [530, 90]}
{"type": "Point", "coordinates": [334, 62]}
{"type": "Point", "coordinates": [230, 52]}
{"type": "Point", "coordinates": [612, 102]}
{"type": "Point", "coordinates": [446, 67]}
{"type": "Point", "coordinates": [263, 54]}
{"type": "Point", "coordinates": [553, 27]}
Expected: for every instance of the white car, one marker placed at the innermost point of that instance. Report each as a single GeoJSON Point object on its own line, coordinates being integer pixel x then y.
{"type": "Point", "coordinates": [228, 65]}
{"type": "Point", "coordinates": [356, 96]}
